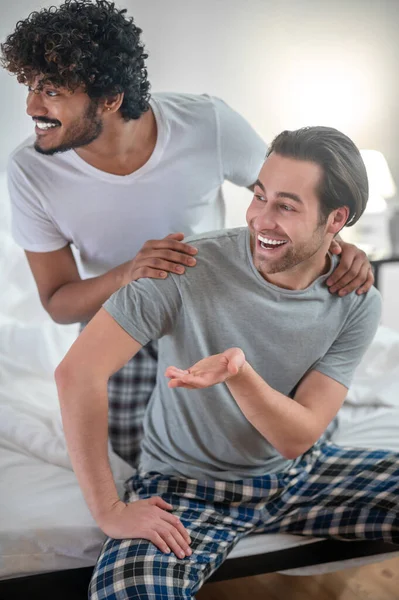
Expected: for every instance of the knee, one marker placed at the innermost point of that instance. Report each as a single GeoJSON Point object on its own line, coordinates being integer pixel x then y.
{"type": "Point", "coordinates": [135, 569]}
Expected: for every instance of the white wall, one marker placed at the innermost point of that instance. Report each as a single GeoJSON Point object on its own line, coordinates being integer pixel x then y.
{"type": "Point", "coordinates": [281, 63]}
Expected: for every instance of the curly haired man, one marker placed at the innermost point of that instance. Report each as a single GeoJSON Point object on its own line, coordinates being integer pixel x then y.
{"type": "Point", "coordinates": [105, 191]}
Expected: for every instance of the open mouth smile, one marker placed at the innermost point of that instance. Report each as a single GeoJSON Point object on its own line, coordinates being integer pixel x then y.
{"type": "Point", "coordinates": [42, 127]}
{"type": "Point", "coordinates": [272, 244]}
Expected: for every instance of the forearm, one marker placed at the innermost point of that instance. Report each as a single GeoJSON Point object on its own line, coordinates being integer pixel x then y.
{"type": "Point", "coordinates": [78, 302]}
{"type": "Point", "coordinates": [286, 424]}
{"type": "Point", "coordinates": [85, 420]}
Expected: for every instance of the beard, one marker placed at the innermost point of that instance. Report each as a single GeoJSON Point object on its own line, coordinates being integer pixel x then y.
{"type": "Point", "coordinates": [292, 257]}
{"type": "Point", "coordinates": [82, 132]}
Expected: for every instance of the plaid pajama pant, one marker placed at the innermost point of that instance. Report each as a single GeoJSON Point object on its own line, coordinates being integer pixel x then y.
{"type": "Point", "coordinates": [129, 391]}
{"type": "Point", "coordinates": [337, 492]}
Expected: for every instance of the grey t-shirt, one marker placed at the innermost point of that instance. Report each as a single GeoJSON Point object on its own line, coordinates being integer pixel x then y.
{"type": "Point", "coordinates": [225, 302]}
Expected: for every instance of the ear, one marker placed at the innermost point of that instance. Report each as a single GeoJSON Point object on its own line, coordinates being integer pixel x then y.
{"type": "Point", "coordinates": [113, 103]}
{"type": "Point", "coordinates": [337, 219]}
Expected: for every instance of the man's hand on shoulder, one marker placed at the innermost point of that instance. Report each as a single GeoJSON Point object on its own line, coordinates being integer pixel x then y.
{"type": "Point", "coordinates": [148, 519]}
{"type": "Point", "coordinates": [157, 258]}
{"type": "Point", "coordinates": [354, 271]}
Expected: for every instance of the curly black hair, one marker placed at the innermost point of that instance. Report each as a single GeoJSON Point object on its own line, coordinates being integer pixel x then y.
{"type": "Point", "coordinates": [82, 43]}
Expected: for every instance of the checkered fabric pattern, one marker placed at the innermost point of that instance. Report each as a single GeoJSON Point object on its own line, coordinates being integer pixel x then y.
{"type": "Point", "coordinates": [343, 493]}
{"type": "Point", "coordinates": [129, 391]}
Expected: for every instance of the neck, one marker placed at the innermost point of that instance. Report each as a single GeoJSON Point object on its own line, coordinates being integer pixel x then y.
{"type": "Point", "coordinates": [303, 274]}
{"type": "Point", "coordinates": [123, 146]}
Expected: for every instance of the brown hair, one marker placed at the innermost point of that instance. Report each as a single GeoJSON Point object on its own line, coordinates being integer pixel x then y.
{"type": "Point", "coordinates": [344, 181]}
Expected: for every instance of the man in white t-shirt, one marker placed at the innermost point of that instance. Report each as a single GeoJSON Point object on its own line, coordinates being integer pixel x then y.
{"type": "Point", "coordinates": [111, 172]}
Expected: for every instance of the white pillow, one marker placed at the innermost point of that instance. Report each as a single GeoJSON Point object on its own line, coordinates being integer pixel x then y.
{"type": "Point", "coordinates": [376, 380]}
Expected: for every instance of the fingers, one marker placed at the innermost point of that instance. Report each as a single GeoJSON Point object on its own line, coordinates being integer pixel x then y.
{"type": "Point", "coordinates": [335, 247]}
{"type": "Point", "coordinates": [168, 539]}
{"type": "Point", "coordinates": [174, 383]}
{"type": "Point", "coordinates": [178, 378]}
{"type": "Point", "coordinates": [170, 534]}
{"type": "Point", "coordinates": [175, 541]}
{"type": "Point", "coordinates": [157, 267]}
{"type": "Point", "coordinates": [176, 236]}
{"type": "Point", "coordinates": [158, 541]}
{"type": "Point", "coordinates": [170, 243]}
{"type": "Point", "coordinates": [165, 259]}
{"type": "Point", "coordinates": [175, 521]}
{"type": "Point", "coordinates": [175, 372]}
{"type": "Point", "coordinates": [357, 276]}
{"type": "Point", "coordinates": [368, 283]}
{"type": "Point", "coordinates": [158, 501]}
{"type": "Point", "coordinates": [236, 360]}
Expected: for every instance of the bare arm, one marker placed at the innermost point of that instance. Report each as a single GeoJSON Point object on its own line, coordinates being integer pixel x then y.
{"type": "Point", "coordinates": [101, 349]}
{"type": "Point", "coordinates": [64, 295]}
{"type": "Point", "coordinates": [292, 426]}
{"type": "Point", "coordinates": [69, 299]}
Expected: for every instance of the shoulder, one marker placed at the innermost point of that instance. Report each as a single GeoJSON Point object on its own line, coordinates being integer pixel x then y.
{"type": "Point", "coordinates": [34, 165]}
{"type": "Point", "coordinates": [225, 247]}
{"type": "Point", "coordinates": [353, 303]}
{"type": "Point", "coordinates": [23, 153]}
{"type": "Point", "coordinates": [219, 237]}
{"type": "Point", "coordinates": [360, 312]}
{"type": "Point", "coordinates": [202, 106]}
{"type": "Point", "coordinates": [177, 100]}
{"type": "Point", "coordinates": [370, 303]}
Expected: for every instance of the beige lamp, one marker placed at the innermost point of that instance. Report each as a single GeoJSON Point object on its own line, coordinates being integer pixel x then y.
{"type": "Point", "coordinates": [371, 232]}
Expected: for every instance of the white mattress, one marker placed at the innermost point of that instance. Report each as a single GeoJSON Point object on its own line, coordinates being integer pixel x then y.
{"type": "Point", "coordinates": [44, 522]}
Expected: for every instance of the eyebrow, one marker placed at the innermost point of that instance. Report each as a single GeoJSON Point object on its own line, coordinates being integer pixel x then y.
{"type": "Point", "coordinates": [294, 197]}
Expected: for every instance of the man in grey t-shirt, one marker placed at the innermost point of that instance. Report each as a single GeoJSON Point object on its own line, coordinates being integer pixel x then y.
{"type": "Point", "coordinates": [255, 359]}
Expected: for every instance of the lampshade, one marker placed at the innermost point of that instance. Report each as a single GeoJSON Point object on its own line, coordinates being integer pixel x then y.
{"type": "Point", "coordinates": [381, 183]}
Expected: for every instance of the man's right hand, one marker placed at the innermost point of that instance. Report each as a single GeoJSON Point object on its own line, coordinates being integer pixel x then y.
{"type": "Point", "coordinates": [157, 258]}
{"type": "Point", "coordinates": [147, 519]}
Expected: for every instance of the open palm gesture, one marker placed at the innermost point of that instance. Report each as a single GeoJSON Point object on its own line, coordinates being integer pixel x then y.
{"type": "Point", "coordinates": [208, 371]}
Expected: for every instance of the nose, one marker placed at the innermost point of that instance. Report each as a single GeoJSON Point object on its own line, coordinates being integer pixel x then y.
{"type": "Point", "coordinates": [265, 220]}
{"type": "Point", "coordinates": [34, 105]}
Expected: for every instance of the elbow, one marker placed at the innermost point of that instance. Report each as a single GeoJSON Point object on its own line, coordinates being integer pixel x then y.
{"type": "Point", "coordinates": [292, 450]}
{"type": "Point", "coordinates": [68, 376]}
{"type": "Point", "coordinates": [57, 317]}
{"type": "Point", "coordinates": [62, 376]}
{"type": "Point", "coordinates": [291, 453]}
{"type": "Point", "coordinates": [54, 312]}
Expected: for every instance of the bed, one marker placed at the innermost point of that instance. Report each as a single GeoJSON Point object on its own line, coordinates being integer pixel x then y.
{"type": "Point", "coordinates": [48, 539]}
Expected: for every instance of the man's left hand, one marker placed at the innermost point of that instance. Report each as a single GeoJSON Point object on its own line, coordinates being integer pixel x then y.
{"type": "Point", "coordinates": [354, 271]}
{"type": "Point", "coordinates": [208, 371]}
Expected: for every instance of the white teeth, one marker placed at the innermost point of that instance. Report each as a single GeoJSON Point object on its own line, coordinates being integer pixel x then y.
{"type": "Point", "coordinates": [45, 125]}
{"type": "Point", "coordinates": [271, 242]}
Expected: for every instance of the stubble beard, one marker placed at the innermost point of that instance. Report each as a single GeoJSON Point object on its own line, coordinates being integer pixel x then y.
{"type": "Point", "coordinates": [87, 129]}
{"type": "Point", "coordinates": [292, 257]}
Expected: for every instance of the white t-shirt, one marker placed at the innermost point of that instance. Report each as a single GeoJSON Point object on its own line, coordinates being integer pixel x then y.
{"type": "Point", "coordinates": [59, 200]}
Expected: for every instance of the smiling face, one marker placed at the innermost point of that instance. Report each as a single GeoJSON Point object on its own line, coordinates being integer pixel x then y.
{"type": "Point", "coordinates": [64, 119]}
{"type": "Point", "coordinates": [287, 232]}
